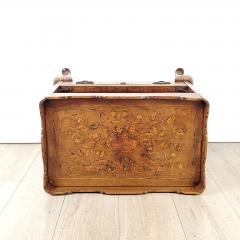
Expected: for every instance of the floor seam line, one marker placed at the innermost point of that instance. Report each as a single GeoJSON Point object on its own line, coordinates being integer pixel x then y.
{"type": "Point", "coordinates": [58, 217]}
{"type": "Point", "coordinates": [179, 217]}
{"type": "Point", "coordinates": [119, 227]}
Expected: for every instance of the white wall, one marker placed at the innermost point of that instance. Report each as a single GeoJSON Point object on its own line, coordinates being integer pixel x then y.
{"type": "Point", "coordinates": [133, 41]}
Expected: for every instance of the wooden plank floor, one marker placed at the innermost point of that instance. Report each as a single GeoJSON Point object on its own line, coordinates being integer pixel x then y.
{"type": "Point", "coordinates": [28, 213]}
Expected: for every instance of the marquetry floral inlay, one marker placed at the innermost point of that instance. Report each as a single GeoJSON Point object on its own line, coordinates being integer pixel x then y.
{"type": "Point", "coordinates": [121, 142]}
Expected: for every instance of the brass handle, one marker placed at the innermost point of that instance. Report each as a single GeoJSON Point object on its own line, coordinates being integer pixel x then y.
{"type": "Point", "coordinates": [85, 82]}
{"type": "Point", "coordinates": [161, 82]}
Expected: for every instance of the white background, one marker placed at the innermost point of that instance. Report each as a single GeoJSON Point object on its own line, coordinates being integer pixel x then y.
{"type": "Point", "coordinates": [105, 41]}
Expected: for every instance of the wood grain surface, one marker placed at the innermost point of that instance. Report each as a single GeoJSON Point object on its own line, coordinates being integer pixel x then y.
{"type": "Point", "coordinates": [124, 139]}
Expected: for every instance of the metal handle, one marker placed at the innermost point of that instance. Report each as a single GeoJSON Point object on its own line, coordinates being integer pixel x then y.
{"type": "Point", "coordinates": [85, 82]}
{"type": "Point", "coordinates": [161, 82]}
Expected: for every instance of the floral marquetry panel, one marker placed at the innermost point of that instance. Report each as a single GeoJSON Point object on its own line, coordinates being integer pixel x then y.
{"type": "Point", "coordinates": [136, 142]}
